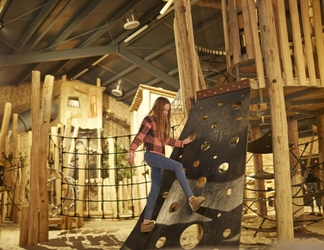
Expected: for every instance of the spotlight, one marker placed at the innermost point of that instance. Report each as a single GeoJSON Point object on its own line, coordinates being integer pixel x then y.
{"type": "Point", "coordinates": [131, 22]}
{"type": "Point", "coordinates": [118, 91]}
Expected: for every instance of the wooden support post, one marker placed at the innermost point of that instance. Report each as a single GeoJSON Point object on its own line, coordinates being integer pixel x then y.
{"type": "Point", "coordinates": [8, 176]}
{"type": "Point", "coordinates": [234, 34]}
{"type": "Point", "coordinates": [308, 47]}
{"type": "Point", "coordinates": [136, 194]}
{"type": "Point", "coordinates": [279, 128]}
{"type": "Point", "coordinates": [38, 198]}
{"type": "Point", "coordinates": [67, 143]}
{"type": "Point", "coordinates": [33, 209]}
{"type": "Point", "coordinates": [182, 77]}
{"type": "Point", "coordinates": [42, 158]}
{"type": "Point", "coordinates": [249, 43]}
{"type": "Point", "coordinates": [226, 36]}
{"type": "Point", "coordinates": [56, 158]}
{"type": "Point", "coordinates": [295, 168]}
{"type": "Point", "coordinates": [125, 196]}
{"type": "Point", "coordinates": [23, 237]}
{"type": "Point", "coordinates": [186, 54]}
{"type": "Point", "coordinates": [3, 138]}
{"type": "Point", "coordinates": [310, 153]}
{"type": "Point", "coordinates": [256, 42]}
{"type": "Point", "coordinates": [68, 149]}
{"type": "Point", "coordinates": [319, 38]}
{"type": "Point", "coordinates": [281, 21]}
{"type": "Point", "coordinates": [201, 79]}
{"type": "Point", "coordinates": [298, 48]}
{"type": "Point", "coordinates": [106, 195]}
{"type": "Point", "coordinates": [15, 214]}
{"type": "Point", "coordinates": [4, 209]}
{"type": "Point", "coordinates": [81, 182]}
{"type": "Point", "coordinates": [120, 198]}
{"type": "Point", "coordinates": [112, 182]}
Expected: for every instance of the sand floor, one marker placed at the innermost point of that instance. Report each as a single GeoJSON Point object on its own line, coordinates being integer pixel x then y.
{"type": "Point", "coordinates": [108, 234]}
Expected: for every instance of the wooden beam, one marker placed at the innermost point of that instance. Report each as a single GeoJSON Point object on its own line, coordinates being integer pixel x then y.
{"type": "Point", "coordinates": [215, 4]}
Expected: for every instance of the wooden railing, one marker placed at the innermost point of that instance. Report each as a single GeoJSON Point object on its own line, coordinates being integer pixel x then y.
{"type": "Point", "coordinates": [299, 36]}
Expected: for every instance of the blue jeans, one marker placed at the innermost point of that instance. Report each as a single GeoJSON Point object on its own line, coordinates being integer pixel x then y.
{"type": "Point", "coordinates": [158, 163]}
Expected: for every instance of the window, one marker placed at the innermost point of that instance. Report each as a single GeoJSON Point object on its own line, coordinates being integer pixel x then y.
{"type": "Point", "coordinates": [73, 102]}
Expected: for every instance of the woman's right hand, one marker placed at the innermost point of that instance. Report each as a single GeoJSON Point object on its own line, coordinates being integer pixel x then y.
{"type": "Point", "coordinates": [130, 158]}
{"type": "Point", "coordinates": [186, 141]}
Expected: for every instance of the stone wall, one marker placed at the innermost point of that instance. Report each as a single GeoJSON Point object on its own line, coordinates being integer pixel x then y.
{"type": "Point", "coordinates": [19, 97]}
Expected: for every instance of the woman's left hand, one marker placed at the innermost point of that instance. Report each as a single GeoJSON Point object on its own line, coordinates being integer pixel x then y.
{"type": "Point", "coordinates": [130, 158]}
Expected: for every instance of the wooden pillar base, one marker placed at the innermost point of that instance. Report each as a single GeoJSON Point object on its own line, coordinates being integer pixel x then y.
{"type": "Point", "coordinates": [23, 237]}
{"type": "Point", "coordinates": [67, 222]}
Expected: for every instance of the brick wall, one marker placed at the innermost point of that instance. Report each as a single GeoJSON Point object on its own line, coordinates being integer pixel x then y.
{"type": "Point", "coordinates": [116, 118]}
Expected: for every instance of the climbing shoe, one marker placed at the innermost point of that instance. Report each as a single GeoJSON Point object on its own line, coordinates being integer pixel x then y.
{"type": "Point", "coordinates": [145, 228]}
{"type": "Point", "coordinates": [195, 202]}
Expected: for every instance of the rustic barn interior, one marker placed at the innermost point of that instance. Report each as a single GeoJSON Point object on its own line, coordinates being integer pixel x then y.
{"type": "Point", "coordinates": [180, 47]}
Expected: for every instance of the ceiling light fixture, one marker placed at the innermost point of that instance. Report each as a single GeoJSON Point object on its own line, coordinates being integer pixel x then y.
{"type": "Point", "coordinates": [131, 22]}
{"type": "Point", "coordinates": [118, 91]}
{"type": "Point", "coordinates": [136, 33]}
{"type": "Point", "coordinates": [166, 7]}
{"type": "Point", "coordinates": [165, 13]}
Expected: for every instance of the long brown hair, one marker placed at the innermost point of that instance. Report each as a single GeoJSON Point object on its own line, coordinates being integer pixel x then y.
{"type": "Point", "coordinates": [163, 123]}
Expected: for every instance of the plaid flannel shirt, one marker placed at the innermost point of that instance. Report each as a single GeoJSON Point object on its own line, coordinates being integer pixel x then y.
{"type": "Point", "coordinates": [147, 134]}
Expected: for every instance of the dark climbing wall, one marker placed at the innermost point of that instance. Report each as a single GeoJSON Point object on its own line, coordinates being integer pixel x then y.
{"type": "Point", "coordinates": [215, 168]}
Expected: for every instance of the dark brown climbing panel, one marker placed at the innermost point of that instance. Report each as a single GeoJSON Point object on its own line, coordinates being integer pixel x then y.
{"type": "Point", "coordinates": [215, 168]}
